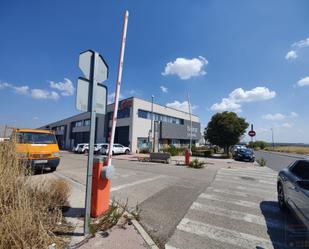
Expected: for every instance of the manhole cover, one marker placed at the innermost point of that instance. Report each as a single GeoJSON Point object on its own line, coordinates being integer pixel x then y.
{"type": "Point", "coordinates": [247, 178]}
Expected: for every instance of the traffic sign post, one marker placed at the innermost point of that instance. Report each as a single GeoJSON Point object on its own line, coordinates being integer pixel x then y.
{"type": "Point", "coordinates": [91, 97]}
{"type": "Point", "coordinates": [252, 133]}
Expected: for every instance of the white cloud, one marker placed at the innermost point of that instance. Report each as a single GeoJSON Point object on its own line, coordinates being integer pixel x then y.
{"type": "Point", "coordinates": [303, 82]}
{"type": "Point", "coordinates": [279, 116]}
{"type": "Point", "coordinates": [182, 106]}
{"type": "Point", "coordinates": [4, 85]}
{"type": "Point", "coordinates": [132, 92]}
{"type": "Point", "coordinates": [111, 97]}
{"type": "Point", "coordinates": [301, 43]}
{"type": "Point", "coordinates": [297, 46]}
{"type": "Point", "coordinates": [286, 125]}
{"type": "Point", "coordinates": [66, 87]}
{"type": "Point", "coordinates": [276, 116]}
{"type": "Point", "coordinates": [186, 68]}
{"type": "Point", "coordinates": [291, 55]}
{"type": "Point", "coordinates": [164, 89]}
{"type": "Point", "coordinates": [238, 96]}
{"type": "Point", "coordinates": [294, 115]}
{"type": "Point", "coordinates": [35, 118]}
{"type": "Point", "coordinates": [24, 90]}
{"type": "Point", "coordinates": [43, 94]}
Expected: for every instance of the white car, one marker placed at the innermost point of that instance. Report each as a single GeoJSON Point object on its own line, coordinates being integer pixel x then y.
{"type": "Point", "coordinates": [78, 147]}
{"type": "Point", "coordinates": [98, 147]}
{"type": "Point", "coordinates": [117, 149]}
{"type": "Point", "coordinates": [83, 149]}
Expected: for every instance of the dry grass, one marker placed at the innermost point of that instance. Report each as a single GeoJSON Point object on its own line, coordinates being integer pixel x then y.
{"type": "Point", "coordinates": [29, 213]}
{"type": "Point", "coordinates": [290, 149]}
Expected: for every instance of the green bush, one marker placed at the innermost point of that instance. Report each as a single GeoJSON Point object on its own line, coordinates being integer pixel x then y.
{"type": "Point", "coordinates": [174, 151]}
{"type": "Point", "coordinates": [196, 164]}
{"type": "Point", "coordinates": [261, 162]}
{"type": "Point", "coordinates": [144, 151]}
{"type": "Point", "coordinates": [207, 153]}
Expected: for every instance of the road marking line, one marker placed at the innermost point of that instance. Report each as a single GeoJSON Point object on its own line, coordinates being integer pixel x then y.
{"type": "Point", "coordinates": [239, 179]}
{"type": "Point", "coordinates": [238, 193]}
{"type": "Point", "coordinates": [167, 246]}
{"type": "Point", "coordinates": [242, 183]}
{"type": "Point", "coordinates": [258, 176]}
{"type": "Point", "coordinates": [229, 200]}
{"type": "Point", "coordinates": [268, 208]}
{"type": "Point", "coordinates": [224, 235]}
{"type": "Point", "coordinates": [236, 215]}
{"type": "Point", "coordinates": [136, 183]}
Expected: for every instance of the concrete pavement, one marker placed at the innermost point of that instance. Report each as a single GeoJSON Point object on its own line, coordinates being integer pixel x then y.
{"type": "Point", "coordinates": [238, 210]}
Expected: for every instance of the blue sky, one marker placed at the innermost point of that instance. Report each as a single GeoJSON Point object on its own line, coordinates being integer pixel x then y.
{"type": "Point", "coordinates": [251, 57]}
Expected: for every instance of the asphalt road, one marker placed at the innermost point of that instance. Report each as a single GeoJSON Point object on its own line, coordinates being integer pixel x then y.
{"type": "Point", "coordinates": [190, 208]}
{"type": "Point", "coordinates": [164, 192]}
{"type": "Point", "coordinates": [277, 161]}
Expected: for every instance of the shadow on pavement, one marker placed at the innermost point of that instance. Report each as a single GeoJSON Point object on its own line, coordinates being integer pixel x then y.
{"type": "Point", "coordinates": [284, 230]}
{"type": "Point", "coordinates": [75, 213]}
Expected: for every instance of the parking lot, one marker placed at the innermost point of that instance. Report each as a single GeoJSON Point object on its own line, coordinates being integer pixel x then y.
{"type": "Point", "coordinates": [227, 204]}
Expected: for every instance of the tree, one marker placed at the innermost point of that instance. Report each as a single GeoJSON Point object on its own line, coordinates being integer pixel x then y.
{"type": "Point", "coordinates": [225, 129]}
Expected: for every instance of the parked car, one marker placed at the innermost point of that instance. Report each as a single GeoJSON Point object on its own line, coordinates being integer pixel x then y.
{"type": "Point", "coordinates": [293, 190]}
{"type": "Point", "coordinates": [237, 147]}
{"type": "Point", "coordinates": [117, 149]}
{"type": "Point", "coordinates": [78, 147]}
{"type": "Point", "coordinates": [98, 147]}
{"type": "Point", "coordinates": [244, 155]}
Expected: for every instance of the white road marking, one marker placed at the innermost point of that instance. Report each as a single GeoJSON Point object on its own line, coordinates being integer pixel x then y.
{"type": "Point", "coordinates": [229, 191]}
{"type": "Point", "coordinates": [224, 235]}
{"type": "Point", "coordinates": [242, 183]}
{"type": "Point", "coordinates": [239, 179]}
{"type": "Point", "coordinates": [116, 188]}
{"type": "Point", "coordinates": [170, 247]}
{"type": "Point", "coordinates": [249, 204]}
{"type": "Point", "coordinates": [236, 215]}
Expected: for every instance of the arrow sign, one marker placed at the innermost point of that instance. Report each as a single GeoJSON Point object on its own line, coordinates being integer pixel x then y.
{"type": "Point", "coordinates": [85, 64]}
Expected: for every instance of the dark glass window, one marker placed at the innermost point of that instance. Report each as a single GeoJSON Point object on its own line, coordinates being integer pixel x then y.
{"type": "Point", "coordinates": [301, 169]}
{"type": "Point", "coordinates": [122, 113]}
{"type": "Point", "coordinates": [35, 138]}
{"type": "Point", "coordinates": [159, 117]}
{"type": "Point", "coordinates": [87, 122]}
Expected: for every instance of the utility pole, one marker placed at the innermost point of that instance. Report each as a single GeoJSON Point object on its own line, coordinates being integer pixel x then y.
{"type": "Point", "coordinates": [151, 129]}
{"type": "Point", "coordinates": [272, 137]}
{"type": "Point", "coordinates": [190, 112]}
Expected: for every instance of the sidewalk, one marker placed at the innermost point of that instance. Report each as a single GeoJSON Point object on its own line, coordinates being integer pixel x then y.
{"type": "Point", "coordinates": [117, 237]}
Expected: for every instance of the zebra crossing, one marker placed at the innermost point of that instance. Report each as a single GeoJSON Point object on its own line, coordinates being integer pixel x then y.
{"type": "Point", "coordinates": [239, 210]}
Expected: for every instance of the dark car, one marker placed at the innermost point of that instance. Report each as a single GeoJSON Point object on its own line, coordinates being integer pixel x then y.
{"type": "Point", "coordinates": [293, 190]}
{"type": "Point", "coordinates": [244, 155]}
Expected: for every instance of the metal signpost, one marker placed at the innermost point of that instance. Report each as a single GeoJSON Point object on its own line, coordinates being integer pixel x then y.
{"type": "Point", "coordinates": [252, 133]}
{"type": "Point", "coordinates": [91, 97]}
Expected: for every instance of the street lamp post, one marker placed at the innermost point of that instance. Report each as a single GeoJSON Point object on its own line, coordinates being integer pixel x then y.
{"type": "Point", "coordinates": [272, 137]}
{"type": "Point", "coordinates": [151, 129]}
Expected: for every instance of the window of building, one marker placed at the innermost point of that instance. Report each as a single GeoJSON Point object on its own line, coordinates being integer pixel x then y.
{"type": "Point", "coordinates": [78, 124]}
{"type": "Point", "coordinates": [159, 117]}
{"type": "Point", "coordinates": [87, 122]}
{"type": "Point", "coordinates": [122, 113]}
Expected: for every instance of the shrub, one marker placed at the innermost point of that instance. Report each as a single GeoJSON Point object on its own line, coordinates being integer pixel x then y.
{"type": "Point", "coordinates": [261, 162]}
{"type": "Point", "coordinates": [196, 164]}
{"type": "Point", "coordinates": [144, 151]}
{"type": "Point", "coordinates": [29, 215]}
{"type": "Point", "coordinates": [174, 151]}
{"type": "Point", "coordinates": [207, 153]}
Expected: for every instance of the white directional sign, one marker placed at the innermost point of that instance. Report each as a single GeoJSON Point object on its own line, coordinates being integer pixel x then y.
{"type": "Point", "coordinates": [83, 100]}
{"type": "Point", "coordinates": [85, 64]}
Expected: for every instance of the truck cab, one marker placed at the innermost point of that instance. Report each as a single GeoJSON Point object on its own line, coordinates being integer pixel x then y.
{"type": "Point", "coordinates": [37, 148]}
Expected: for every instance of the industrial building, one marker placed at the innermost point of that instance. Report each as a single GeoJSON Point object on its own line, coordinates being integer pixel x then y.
{"type": "Point", "coordinates": [134, 126]}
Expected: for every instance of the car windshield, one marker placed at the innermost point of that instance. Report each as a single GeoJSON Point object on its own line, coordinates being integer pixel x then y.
{"type": "Point", "coordinates": [35, 138]}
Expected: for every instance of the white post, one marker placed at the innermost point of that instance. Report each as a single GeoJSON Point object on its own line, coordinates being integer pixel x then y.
{"type": "Point", "coordinates": [118, 83]}
{"type": "Point", "coordinates": [190, 112]}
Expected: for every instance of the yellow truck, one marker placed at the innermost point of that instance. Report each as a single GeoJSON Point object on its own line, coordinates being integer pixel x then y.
{"type": "Point", "coordinates": [38, 148]}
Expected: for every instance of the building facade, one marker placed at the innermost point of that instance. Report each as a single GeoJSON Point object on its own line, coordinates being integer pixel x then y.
{"type": "Point", "coordinates": [134, 126]}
